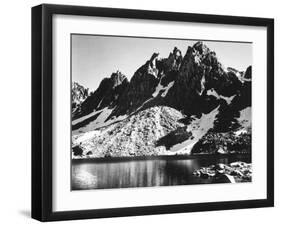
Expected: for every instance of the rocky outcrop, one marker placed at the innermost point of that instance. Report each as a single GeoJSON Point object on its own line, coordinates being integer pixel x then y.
{"type": "Point", "coordinates": [248, 73]}
{"type": "Point", "coordinates": [222, 173]}
{"type": "Point", "coordinates": [77, 151]}
{"type": "Point", "coordinates": [107, 95]}
{"type": "Point", "coordinates": [224, 143]}
{"type": "Point", "coordinates": [78, 94]}
{"type": "Point", "coordinates": [199, 72]}
{"type": "Point", "coordinates": [137, 135]}
{"type": "Point", "coordinates": [140, 88]}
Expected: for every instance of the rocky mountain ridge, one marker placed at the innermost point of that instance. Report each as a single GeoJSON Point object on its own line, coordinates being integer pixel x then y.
{"type": "Point", "coordinates": [194, 86]}
{"type": "Point", "coordinates": [106, 95]}
{"type": "Point", "coordinates": [78, 95]}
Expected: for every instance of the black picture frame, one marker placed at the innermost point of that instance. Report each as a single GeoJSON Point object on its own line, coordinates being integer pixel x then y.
{"type": "Point", "coordinates": [42, 111]}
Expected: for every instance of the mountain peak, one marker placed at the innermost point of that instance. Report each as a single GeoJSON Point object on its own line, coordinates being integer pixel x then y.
{"type": "Point", "coordinates": [154, 57]}
{"type": "Point", "coordinates": [248, 73]}
{"type": "Point", "coordinates": [174, 60]}
{"type": "Point", "coordinates": [176, 52]}
{"type": "Point", "coordinates": [201, 47]}
{"type": "Point", "coordinates": [78, 94]}
{"type": "Point", "coordinates": [118, 78]}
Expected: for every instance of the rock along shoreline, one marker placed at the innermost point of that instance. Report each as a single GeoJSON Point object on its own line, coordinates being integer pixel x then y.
{"type": "Point", "coordinates": [234, 172]}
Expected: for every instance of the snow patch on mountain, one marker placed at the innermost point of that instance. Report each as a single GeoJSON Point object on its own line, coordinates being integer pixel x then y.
{"type": "Point", "coordinates": [100, 103]}
{"type": "Point", "coordinates": [81, 119]}
{"type": "Point", "coordinates": [212, 92]}
{"type": "Point", "coordinates": [198, 128]}
{"type": "Point", "coordinates": [202, 84]}
{"type": "Point", "coordinates": [245, 117]}
{"type": "Point", "coordinates": [164, 89]}
{"type": "Point", "coordinates": [158, 88]}
{"type": "Point", "coordinates": [240, 131]}
{"type": "Point", "coordinates": [245, 121]}
{"type": "Point", "coordinates": [140, 107]}
{"type": "Point", "coordinates": [101, 121]}
{"type": "Point", "coordinates": [103, 116]}
{"type": "Point", "coordinates": [239, 75]}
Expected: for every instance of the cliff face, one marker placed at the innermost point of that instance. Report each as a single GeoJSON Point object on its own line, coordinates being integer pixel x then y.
{"type": "Point", "coordinates": [203, 101]}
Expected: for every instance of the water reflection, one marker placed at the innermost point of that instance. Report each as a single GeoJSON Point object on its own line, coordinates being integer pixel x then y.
{"type": "Point", "coordinates": [141, 173]}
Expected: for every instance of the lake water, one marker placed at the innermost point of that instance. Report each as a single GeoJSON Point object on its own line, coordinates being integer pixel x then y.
{"type": "Point", "coordinates": [142, 173]}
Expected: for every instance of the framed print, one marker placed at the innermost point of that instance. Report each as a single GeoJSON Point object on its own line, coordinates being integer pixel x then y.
{"type": "Point", "coordinates": [147, 112]}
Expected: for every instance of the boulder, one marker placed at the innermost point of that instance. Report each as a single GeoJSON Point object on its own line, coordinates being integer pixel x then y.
{"type": "Point", "coordinates": [77, 151]}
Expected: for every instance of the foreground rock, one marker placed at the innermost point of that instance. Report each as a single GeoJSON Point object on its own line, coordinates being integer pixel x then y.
{"type": "Point", "coordinates": [221, 173]}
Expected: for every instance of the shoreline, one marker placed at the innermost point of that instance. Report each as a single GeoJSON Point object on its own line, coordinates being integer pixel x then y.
{"type": "Point", "coordinates": [159, 157]}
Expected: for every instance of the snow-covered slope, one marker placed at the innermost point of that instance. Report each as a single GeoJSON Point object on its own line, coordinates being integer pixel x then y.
{"type": "Point", "coordinates": [101, 119]}
{"type": "Point", "coordinates": [236, 140]}
{"type": "Point", "coordinates": [245, 118]}
{"type": "Point", "coordinates": [198, 128]}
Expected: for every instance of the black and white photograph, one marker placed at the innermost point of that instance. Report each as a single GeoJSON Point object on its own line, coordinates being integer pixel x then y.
{"type": "Point", "coordinates": [150, 111]}
{"type": "Point", "coordinates": [159, 112]}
